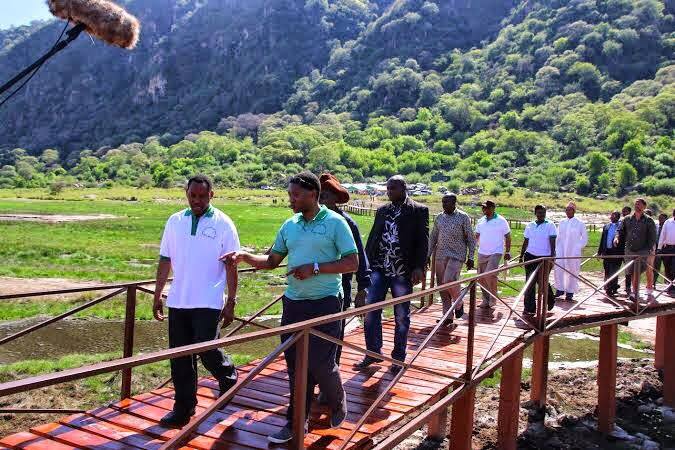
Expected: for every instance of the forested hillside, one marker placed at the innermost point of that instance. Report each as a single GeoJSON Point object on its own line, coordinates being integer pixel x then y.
{"type": "Point", "coordinates": [550, 95]}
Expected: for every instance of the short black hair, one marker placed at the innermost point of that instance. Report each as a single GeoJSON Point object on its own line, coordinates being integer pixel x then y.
{"type": "Point", "coordinates": [399, 179]}
{"type": "Point", "coordinates": [307, 180]}
{"type": "Point", "coordinates": [199, 179]}
{"type": "Point", "coordinates": [538, 207]}
{"type": "Point", "coordinates": [627, 208]}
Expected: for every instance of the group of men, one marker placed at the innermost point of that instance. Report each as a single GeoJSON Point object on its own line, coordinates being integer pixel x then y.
{"type": "Point", "coordinates": [644, 245]}
{"type": "Point", "coordinates": [323, 249]}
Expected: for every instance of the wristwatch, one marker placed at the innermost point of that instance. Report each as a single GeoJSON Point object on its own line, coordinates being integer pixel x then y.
{"type": "Point", "coordinates": [316, 268]}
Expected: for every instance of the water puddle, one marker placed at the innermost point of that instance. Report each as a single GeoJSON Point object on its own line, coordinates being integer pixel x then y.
{"type": "Point", "coordinates": [89, 336]}
{"type": "Point", "coordinates": [102, 336]}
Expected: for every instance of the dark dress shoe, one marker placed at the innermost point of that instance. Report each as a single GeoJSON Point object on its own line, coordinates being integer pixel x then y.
{"type": "Point", "coordinates": [226, 384]}
{"type": "Point", "coordinates": [367, 361]}
{"type": "Point", "coordinates": [177, 419]}
{"type": "Point", "coordinates": [459, 312]}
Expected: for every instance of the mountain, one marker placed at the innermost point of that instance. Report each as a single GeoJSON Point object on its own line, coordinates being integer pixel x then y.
{"type": "Point", "coordinates": [197, 61]}
{"type": "Point", "coordinates": [547, 95]}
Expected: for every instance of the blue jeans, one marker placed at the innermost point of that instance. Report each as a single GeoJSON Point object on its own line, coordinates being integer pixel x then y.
{"type": "Point", "coordinates": [379, 286]}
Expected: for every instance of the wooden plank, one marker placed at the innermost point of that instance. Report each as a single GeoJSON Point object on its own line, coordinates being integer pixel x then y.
{"type": "Point", "coordinates": [461, 428]}
{"type": "Point", "coordinates": [509, 402]}
{"type": "Point", "coordinates": [31, 441]}
{"type": "Point", "coordinates": [669, 363]}
{"type": "Point", "coordinates": [125, 436]}
{"type": "Point", "coordinates": [539, 384]}
{"type": "Point", "coordinates": [607, 378]}
{"type": "Point", "coordinates": [77, 438]}
{"type": "Point", "coordinates": [660, 342]}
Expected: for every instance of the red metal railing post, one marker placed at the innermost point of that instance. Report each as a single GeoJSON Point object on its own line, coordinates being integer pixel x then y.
{"type": "Point", "coordinates": [300, 390]}
{"type": "Point", "coordinates": [129, 322]}
{"type": "Point", "coordinates": [470, 334]}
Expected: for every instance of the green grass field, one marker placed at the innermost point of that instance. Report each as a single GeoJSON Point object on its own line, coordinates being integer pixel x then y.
{"type": "Point", "coordinates": [126, 248]}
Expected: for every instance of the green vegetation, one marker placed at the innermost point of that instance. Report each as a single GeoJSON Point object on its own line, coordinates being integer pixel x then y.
{"type": "Point", "coordinates": [571, 97]}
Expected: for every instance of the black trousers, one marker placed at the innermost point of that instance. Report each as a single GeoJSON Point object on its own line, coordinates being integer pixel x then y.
{"type": "Point", "coordinates": [191, 326]}
{"type": "Point", "coordinates": [669, 263]}
{"type": "Point", "coordinates": [611, 266]}
{"type": "Point", "coordinates": [531, 293]}
{"type": "Point", "coordinates": [346, 304]}
{"type": "Point", "coordinates": [322, 368]}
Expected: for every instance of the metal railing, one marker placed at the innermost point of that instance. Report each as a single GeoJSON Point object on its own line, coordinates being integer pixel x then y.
{"type": "Point", "coordinates": [300, 333]}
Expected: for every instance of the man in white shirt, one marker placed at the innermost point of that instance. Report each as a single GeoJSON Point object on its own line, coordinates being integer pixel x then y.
{"type": "Point", "coordinates": [493, 234]}
{"type": "Point", "coordinates": [193, 241]}
{"type": "Point", "coordinates": [666, 246]}
{"type": "Point", "coordinates": [539, 240]}
{"type": "Point", "coordinates": [572, 238]}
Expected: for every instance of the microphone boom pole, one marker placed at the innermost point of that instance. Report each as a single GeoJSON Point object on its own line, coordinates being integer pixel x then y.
{"type": "Point", "coordinates": [73, 33]}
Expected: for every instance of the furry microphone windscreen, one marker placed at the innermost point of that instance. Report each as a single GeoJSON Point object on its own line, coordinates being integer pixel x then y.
{"type": "Point", "coordinates": [103, 19]}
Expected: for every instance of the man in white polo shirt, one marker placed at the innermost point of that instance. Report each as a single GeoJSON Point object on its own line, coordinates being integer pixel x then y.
{"type": "Point", "coordinates": [493, 234]}
{"type": "Point", "coordinates": [539, 241]}
{"type": "Point", "coordinates": [193, 241]}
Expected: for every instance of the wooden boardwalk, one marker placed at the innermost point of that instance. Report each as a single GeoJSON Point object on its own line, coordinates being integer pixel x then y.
{"type": "Point", "coordinates": [259, 408]}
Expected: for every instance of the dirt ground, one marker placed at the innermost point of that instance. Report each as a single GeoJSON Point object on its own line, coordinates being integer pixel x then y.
{"type": "Point", "coordinates": [569, 421]}
{"type": "Point", "coordinates": [54, 218]}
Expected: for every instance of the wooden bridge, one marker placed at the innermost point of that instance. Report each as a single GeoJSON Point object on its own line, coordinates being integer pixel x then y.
{"type": "Point", "coordinates": [443, 370]}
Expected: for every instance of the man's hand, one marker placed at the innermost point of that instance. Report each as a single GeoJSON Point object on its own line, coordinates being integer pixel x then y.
{"type": "Point", "coordinates": [302, 272]}
{"type": "Point", "coordinates": [227, 314]}
{"type": "Point", "coordinates": [417, 276]}
{"type": "Point", "coordinates": [233, 258]}
{"type": "Point", "coordinates": [360, 299]}
{"type": "Point", "coordinates": [158, 309]}
{"type": "Point", "coordinates": [507, 257]}
{"type": "Point", "coordinates": [616, 241]}
{"type": "Point", "coordinates": [520, 259]}
{"type": "Point", "coordinates": [469, 264]}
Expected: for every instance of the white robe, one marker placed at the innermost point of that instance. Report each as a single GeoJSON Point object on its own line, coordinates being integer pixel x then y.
{"type": "Point", "coordinates": [571, 240]}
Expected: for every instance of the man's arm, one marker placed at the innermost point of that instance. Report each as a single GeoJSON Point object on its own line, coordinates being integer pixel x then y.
{"type": "Point", "coordinates": [603, 238]}
{"type": "Point", "coordinates": [507, 254]}
{"type": "Point", "coordinates": [346, 264]}
{"type": "Point", "coordinates": [433, 239]}
{"type": "Point", "coordinates": [552, 241]}
{"type": "Point", "coordinates": [163, 271]}
{"type": "Point", "coordinates": [227, 315]}
{"type": "Point", "coordinates": [260, 262]}
{"type": "Point", "coordinates": [523, 248]}
{"type": "Point", "coordinates": [470, 242]}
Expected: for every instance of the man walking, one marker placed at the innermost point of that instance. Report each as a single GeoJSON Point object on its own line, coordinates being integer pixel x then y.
{"type": "Point", "coordinates": [667, 247]}
{"type": "Point", "coordinates": [539, 240]}
{"type": "Point", "coordinates": [621, 248]}
{"type": "Point", "coordinates": [607, 248]}
{"type": "Point", "coordinates": [453, 242]}
{"type": "Point", "coordinates": [333, 193]}
{"type": "Point", "coordinates": [320, 247]}
{"type": "Point", "coordinates": [572, 238]}
{"type": "Point", "coordinates": [193, 241]}
{"type": "Point", "coordinates": [493, 235]}
{"type": "Point", "coordinates": [397, 249]}
{"type": "Point", "coordinates": [639, 233]}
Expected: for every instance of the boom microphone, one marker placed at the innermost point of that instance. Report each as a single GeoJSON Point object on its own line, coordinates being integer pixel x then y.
{"type": "Point", "coordinates": [101, 18]}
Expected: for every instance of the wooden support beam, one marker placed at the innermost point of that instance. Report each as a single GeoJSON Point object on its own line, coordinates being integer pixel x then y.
{"type": "Point", "coordinates": [607, 378]}
{"type": "Point", "coordinates": [659, 344]}
{"type": "Point", "coordinates": [669, 363]}
{"type": "Point", "coordinates": [539, 381]}
{"type": "Point", "coordinates": [509, 402]}
{"type": "Point", "coordinates": [461, 427]}
{"type": "Point", "coordinates": [438, 424]}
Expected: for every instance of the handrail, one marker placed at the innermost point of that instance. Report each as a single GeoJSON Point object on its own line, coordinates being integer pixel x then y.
{"type": "Point", "coordinates": [101, 287]}
{"type": "Point", "coordinates": [133, 361]}
{"type": "Point", "coordinates": [472, 376]}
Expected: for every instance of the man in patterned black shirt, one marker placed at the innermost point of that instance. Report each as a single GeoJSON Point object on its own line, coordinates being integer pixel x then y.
{"type": "Point", "coordinates": [397, 249]}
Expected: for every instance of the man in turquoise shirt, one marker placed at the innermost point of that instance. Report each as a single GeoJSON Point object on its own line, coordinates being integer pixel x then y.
{"type": "Point", "coordinates": [320, 248]}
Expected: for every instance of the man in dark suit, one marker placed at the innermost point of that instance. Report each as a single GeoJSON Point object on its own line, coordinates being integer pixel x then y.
{"type": "Point", "coordinates": [607, 248]}
{"type": "Point", "coordinates": [397, 250]}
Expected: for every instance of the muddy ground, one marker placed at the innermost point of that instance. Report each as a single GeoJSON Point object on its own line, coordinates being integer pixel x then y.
{"type": "Point", "coordinates": [569, 421]}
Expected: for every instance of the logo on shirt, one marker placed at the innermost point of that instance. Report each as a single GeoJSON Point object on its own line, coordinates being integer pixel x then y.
{"type": "Point", "coordinates": [209, 232]}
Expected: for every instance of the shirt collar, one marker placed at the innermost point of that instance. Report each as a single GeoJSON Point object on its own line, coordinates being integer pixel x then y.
{"type": "Point", "coordinates": [208, 213]}
{"type": "Point", "coordinates": [544, 222]}
{"type": "Point", "coordinates": [323, 212]}
{"type": "Point", "coordinates": [493, 217]}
